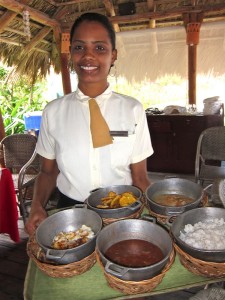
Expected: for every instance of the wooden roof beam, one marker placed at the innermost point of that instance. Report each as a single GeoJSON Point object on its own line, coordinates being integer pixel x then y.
{"type": "Point", "coordinates": [34, 14]}
{"type": "Point", "coordinates": [151, 5]}
{"type": "Point", "coordinates": [12, 30]}
{"type": "Point", "coordinates": [110, 11]}
{"type": "Point", "coordinates": [166, 14]}
{"type": "Point", "coordinates": [45, 31]}
{"type": "Point", "coordinates": [39, 17]}
{"type": "Point", "coordinates": [10, 42]}
{"type": "Point", "coordinates": [52, 2]}
{"type": "Point", "coordinates": [37, 39]}
{"type": "Point", "coordinates": [57, 4]}
{"type": "Point", "coordinates": [140, 17]}
{"type": "Point", "coordinates": [7, 17]}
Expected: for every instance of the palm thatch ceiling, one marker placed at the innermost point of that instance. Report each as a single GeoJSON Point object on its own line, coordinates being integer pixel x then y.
{"type": "Point", "coordinates": [31, 30]}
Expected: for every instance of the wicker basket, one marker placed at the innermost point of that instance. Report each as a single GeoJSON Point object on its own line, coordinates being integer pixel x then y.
{"type": "Point", "coordinates": [58, 271]}
{"type": "Point", "coordinates": [164, 219]}
{"type": "Point", "coordinates": [135, 287]}
{"type": "Point", "coordinates": [200, 267]}
{"type": "Point", "coordinates": [136, 215]}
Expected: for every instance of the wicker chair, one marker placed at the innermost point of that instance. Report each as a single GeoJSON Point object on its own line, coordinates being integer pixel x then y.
{"type": "Point", "coordinates": [210, 155]}
{"type": "Point", "coordinates": [23, 162]}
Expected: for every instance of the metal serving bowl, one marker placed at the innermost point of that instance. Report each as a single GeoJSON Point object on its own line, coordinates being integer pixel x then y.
{"type": "Point", "coordinates": [173, 186]}
{"type": "Point", "coordinates": [68, 220]}
{"type": "Point", "coordinates": [133, 229]}
{"type": "Point", "coordinates": [192, 217]}
{"type": "Point", "coordinates": [95, 199]}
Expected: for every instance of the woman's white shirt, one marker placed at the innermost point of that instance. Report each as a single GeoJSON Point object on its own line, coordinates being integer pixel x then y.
{"type": "Point", "coordinates": [65, 136]}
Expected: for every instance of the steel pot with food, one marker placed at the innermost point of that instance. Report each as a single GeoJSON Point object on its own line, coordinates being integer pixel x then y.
{"type": "Point", "coordinates": [200, 233]}
{"type": "Point", "coordinates": [173, 196]}
{"type": "Point", "coordinates": [134, 249]}
{"type": "Point", "coordinates": [116, 201]}
{"type": "Point", "coordinates": [69, 235]}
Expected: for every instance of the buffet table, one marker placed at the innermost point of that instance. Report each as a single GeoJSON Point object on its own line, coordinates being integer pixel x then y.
{"type": "Point", "coordinates": [92, 284]}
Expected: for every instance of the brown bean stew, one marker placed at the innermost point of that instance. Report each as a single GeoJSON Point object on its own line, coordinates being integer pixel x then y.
{"type": "Point", "coordinates": [172, 199]}
{"type": "Point", "coordinates": [134, 253]}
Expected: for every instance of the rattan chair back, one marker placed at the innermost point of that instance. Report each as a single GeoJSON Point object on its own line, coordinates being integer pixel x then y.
{"type": "Point", "coordinates": [210, 155]}
{"type": "Point", "coordinates": [17, 150]}
{"type": "Point", "coordinates": [23, 162]}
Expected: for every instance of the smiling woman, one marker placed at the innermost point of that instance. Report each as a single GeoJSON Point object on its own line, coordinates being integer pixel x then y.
{"type": "Point", "coordinates": [71, 158]}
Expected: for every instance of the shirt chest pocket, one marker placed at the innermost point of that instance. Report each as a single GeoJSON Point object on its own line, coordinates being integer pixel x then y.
{"type": "Point", "coordinates": [121, 150]}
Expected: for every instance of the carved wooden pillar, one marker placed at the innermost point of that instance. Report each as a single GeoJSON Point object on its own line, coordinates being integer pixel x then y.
{"type": "Point", "coordinates": [64, 59]}
{"type": "Point", "coordinates": [65, 74]}
{"type": "Point", "coordinates": [192, 23]}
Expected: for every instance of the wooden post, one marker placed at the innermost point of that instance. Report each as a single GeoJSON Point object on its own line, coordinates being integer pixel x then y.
{"type": "Point", "coordinates": [65, 74]}
{"type": "Point", "coordinates": [192, 74]}
{"type": "Point", "coordinates": [192, 23]}
{"type": "Point", "coordinates": [64, 58]}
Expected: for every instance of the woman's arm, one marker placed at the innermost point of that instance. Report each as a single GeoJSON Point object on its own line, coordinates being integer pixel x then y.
{"type": "Point", "coordinates": [140, 175]}
{"type": "Point", "coordinates": [44, 186]}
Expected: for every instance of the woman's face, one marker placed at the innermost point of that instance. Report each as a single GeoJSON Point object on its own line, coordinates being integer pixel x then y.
{"type": "Point", "coordinates": [91, 52]}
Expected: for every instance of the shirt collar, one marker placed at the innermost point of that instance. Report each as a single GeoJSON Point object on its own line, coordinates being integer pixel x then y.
{"type": "Point", "coordinates": [105, 95]}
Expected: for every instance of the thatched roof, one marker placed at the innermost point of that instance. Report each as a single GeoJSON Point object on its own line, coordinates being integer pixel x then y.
{"type": "Point", "coordinates": [48, 19]}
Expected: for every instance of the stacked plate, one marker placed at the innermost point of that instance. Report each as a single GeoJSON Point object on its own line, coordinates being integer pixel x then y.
{"type": "Point", "coordinates": [212, 106]}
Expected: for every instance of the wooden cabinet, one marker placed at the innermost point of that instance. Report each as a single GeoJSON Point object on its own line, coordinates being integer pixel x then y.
{"type": "Point", "coordinates": [174, 140]}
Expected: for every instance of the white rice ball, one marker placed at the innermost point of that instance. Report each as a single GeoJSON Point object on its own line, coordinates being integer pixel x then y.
{"type": "Point", "coordinates": [206, 235]}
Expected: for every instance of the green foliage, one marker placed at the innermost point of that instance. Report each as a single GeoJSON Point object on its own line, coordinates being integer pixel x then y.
{"type": "Point", "coordinates": [166, 90]}
{"type": "Point", "coordinates": [18, 98]}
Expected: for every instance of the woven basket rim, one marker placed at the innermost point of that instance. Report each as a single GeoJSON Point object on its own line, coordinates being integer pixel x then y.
{"type": "Point", "coordinates": [200, 267]}
{"type": "Point", "coordinates": [132, 216]}
{"type": "Point", "coordinates": [163, 272]}
{"type": "Point", "coordinates": [183, 253]}
{"type": "Point", "coordinates": [53, 270]}
{"type": "Point", "coordinates": [135, 287]}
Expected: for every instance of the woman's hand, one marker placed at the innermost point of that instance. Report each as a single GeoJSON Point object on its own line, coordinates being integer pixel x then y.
{"type": "Point", "coordinates": [34, 219]}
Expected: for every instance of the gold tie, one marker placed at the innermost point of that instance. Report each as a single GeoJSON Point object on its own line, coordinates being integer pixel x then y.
{"type": "Point", "coordinates": [99, 127]}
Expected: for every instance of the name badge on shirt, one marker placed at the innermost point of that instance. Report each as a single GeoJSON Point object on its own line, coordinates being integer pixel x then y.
{"type": "Point", "coordinates": [119, 133]}
{"type": "Point", "coordinates": [122, 132]}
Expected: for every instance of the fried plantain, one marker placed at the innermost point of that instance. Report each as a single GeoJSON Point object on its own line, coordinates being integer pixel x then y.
{"type": "Point", "coordinates": [114, 200]}
{"type": "Point", "coordinates": [102, 206]}
{"type": "Point", "coordinates": [115, 203]}
{"type": "Point", "coordinates": [127, 199]}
